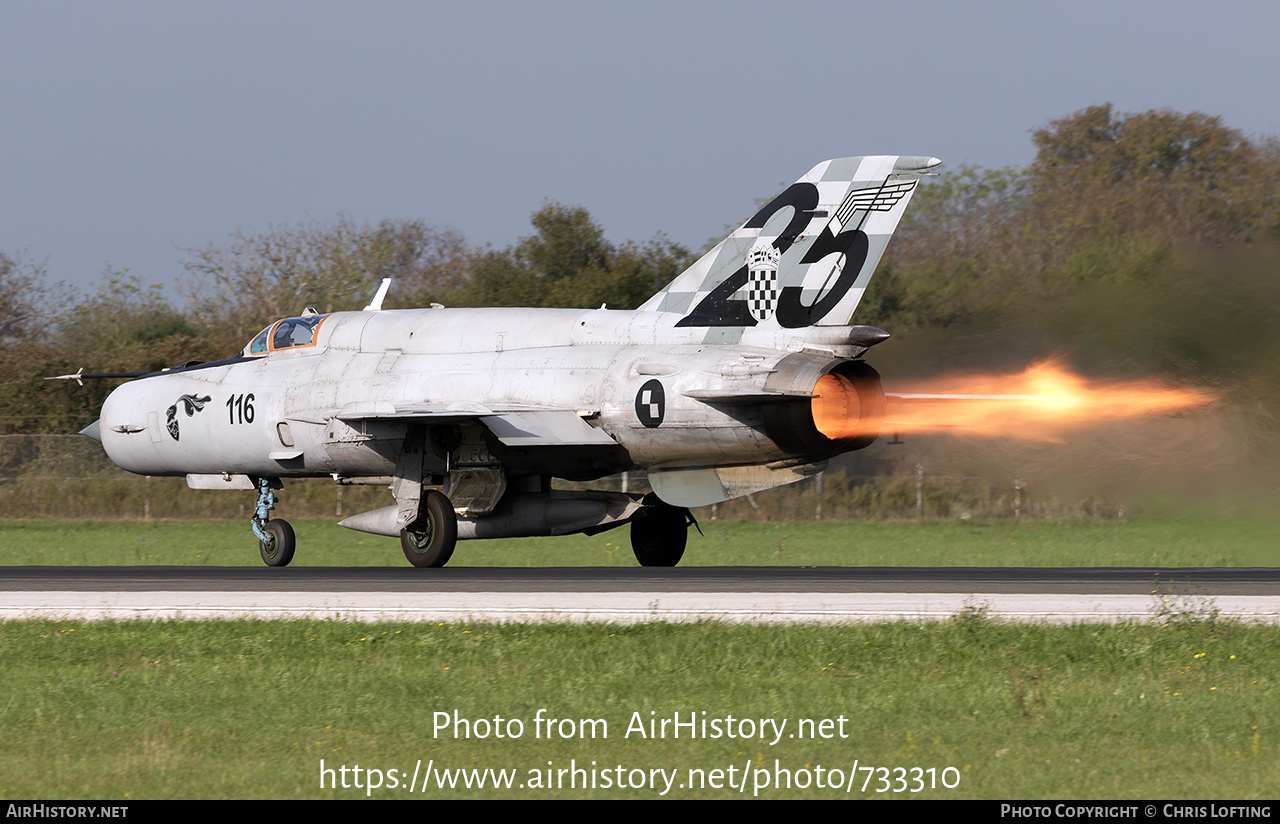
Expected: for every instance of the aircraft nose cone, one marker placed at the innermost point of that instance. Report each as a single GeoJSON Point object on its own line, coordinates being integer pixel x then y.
{"type": "Point", "coordinates": [91, 431]}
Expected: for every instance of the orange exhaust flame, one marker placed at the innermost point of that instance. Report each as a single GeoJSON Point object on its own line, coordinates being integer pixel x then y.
{"type": "Point", "coordinates": [837, 411]}
{"type": "Point", "coordinates": [1039, 404]}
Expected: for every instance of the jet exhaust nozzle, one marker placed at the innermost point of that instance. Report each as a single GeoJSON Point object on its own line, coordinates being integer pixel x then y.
{"type": "Point", "coordinates": [843, 406]}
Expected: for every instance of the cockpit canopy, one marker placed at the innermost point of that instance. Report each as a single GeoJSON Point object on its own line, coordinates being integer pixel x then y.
{"type": "Point", "coordinates": [290, 333]}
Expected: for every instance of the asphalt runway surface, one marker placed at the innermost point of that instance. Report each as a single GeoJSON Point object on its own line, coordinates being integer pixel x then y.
{"type": "Point", "coordinates": [627, 595]}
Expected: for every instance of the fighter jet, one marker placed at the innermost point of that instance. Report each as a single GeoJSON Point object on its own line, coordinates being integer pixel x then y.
{"type": "Point", "coordinates": [741, 375]}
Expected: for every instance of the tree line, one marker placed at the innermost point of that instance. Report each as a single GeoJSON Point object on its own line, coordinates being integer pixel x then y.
{"type": "Point", "coordinates": [1135, 242]}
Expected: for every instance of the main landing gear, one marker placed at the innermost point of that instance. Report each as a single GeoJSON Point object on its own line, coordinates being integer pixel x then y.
{"type": "Point", "coordinates": [276, 541]}
{"type": "Point", "coordinates": [429, 541]}
{"type": "Point", "coordinates": [658, 537]}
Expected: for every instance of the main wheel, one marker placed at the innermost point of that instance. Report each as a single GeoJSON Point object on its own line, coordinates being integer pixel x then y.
{"type": "Point", "coordinates": [278, 551]}
{"type": "Point", "coordinates": [658, 539]}
{"type": "Point", "coordinates": [429, 541]}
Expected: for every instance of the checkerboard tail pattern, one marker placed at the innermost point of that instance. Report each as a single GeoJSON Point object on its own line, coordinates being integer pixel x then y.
{"type": "Point", "coordinates": [762, 281]}
{"type": "Point", "coordinates": [805, 258]}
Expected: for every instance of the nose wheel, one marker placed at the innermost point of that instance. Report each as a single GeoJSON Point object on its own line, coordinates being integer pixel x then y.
{"type": "Point", "coordinates": [276, 540]}
{"type": "Point", "coordinates": [278, 551]}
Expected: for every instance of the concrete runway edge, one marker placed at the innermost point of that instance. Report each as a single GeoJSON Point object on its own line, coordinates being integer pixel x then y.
{"type": "Point", "coordinates": [631, 607]}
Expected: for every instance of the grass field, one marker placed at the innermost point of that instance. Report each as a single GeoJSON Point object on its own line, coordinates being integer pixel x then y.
{"type": "Point", "coordinates": [119, 711]}
{"type": "Point", "coordinates": [967, 708]}
{"type": "Point", "coordinates": [1170, 542]}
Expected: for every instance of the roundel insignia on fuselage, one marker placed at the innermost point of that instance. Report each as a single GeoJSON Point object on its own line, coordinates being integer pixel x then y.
{"type": "Point", "coordinates": [651, 403]}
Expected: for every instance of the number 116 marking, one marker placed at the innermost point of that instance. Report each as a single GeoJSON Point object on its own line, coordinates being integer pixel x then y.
{"type": "Point", "coordinates": [240, 408]}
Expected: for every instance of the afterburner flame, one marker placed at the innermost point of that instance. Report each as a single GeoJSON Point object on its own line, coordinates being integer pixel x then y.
{"type": "Point", "coordinates": [837, 412]}
{"type": "Point", "coordinates": [1039, 404]}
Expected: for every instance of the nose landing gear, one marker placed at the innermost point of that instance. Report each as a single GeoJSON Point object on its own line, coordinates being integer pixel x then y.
{"type": "Point", "coordinates": [276, 541]}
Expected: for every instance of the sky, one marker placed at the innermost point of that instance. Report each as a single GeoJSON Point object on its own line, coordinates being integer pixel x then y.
{"type": "Point", "coordinates": [133, 131]}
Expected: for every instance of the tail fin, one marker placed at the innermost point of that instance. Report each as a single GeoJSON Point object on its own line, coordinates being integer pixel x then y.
{"type": "Point", "coordinates": [804, 259]}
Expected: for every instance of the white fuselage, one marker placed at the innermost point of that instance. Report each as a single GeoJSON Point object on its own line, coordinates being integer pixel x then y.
{"type": "Point", "coordinates": [331, 407]}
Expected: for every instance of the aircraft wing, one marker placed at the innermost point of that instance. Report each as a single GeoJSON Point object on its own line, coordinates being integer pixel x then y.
{"type": "Point", "coordinates": [512, 424]}
{"type": "Point", "coordinates": [548, 427]}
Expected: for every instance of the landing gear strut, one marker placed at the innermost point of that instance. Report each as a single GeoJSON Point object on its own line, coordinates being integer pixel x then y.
{"type": "Point", "coordinates": [276, 541]}
{"type": "Point", "coordinates": [429, 541]}
{"type": "Point", "coordinates": [658, 537]}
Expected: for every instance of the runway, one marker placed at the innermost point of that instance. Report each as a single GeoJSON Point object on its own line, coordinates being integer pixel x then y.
{"type": "Point", "coordinates": [629, 595]}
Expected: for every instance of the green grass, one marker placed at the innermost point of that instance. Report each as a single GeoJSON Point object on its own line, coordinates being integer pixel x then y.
{"type": "Point", "coordinates": [242, 709]}
{"type": "Point", "coordinates": [1191, 541]}
{"type": "Point", "coordinates": [248, 709]}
